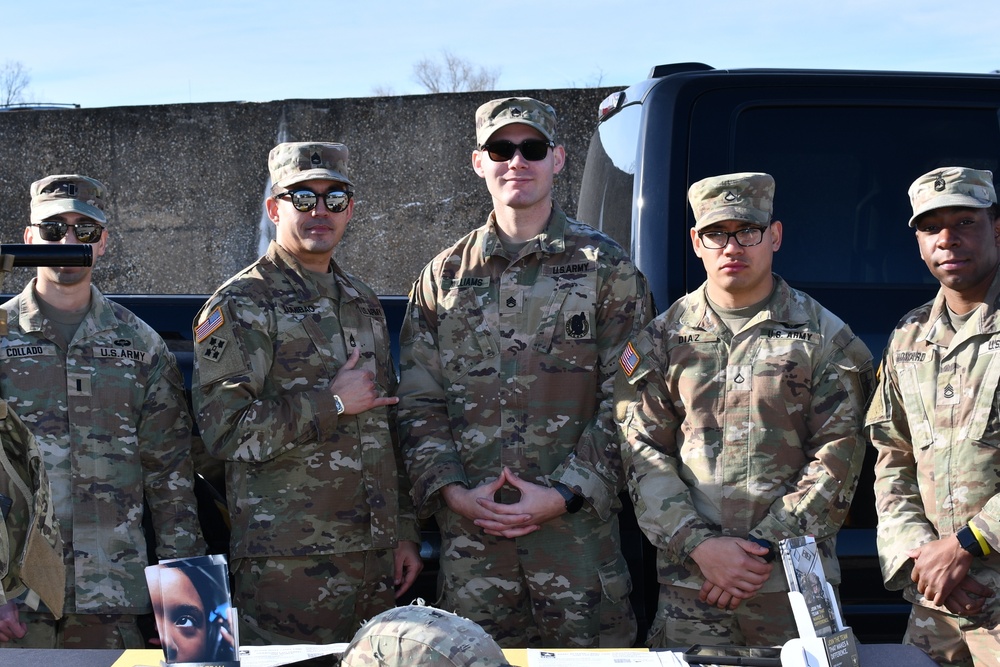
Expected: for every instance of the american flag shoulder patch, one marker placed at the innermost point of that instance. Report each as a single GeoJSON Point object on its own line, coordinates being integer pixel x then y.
{"type": "Point", "coordinates": [629, 359]}
{"type": "Point", "coordinates": [211, 324]}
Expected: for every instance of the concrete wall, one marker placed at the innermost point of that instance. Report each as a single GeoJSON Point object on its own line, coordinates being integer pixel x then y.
{"type": "Point", "coordinates": [187, 181]}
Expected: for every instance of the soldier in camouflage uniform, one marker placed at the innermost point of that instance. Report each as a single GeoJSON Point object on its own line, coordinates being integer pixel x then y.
{"type": "Point", "coordinates": [509, 350]}
{"type": "Point", "coordinates": [105, 399]}
{"type": "Point", "coordinates": [294, 387]}
{"type": "Point", "coordinates": [741, 411]}
{"type": "Point", "coordinates": [935, 424]}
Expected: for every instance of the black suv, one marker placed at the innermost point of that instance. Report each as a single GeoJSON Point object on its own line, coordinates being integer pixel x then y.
{"type": "Point", "coordinates": [843, 148]}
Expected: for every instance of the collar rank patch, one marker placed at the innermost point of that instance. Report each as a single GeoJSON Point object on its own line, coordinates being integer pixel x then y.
{"type": "Point", "coordinates": [214, 348]}
{"type": "Point", "coordinates": [629, 359]}
{"type": "Point", "coordinates": [210, 325]}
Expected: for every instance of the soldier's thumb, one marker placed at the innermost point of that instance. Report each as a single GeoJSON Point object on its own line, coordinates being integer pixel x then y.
{"type": "Point", "coordinates": [352, 360]}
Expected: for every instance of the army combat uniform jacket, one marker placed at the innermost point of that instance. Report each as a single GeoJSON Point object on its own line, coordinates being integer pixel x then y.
{"type": "Point", "coordinates": [753, 434]}
{"type": "Point", "coordinates": [110, 409]}
{"type": "Point", "coordinates": [301, 480]}
{"type": "Point", "coordinates": [511, 361]}
{"type": "Point", "coordinates": [935, 423]}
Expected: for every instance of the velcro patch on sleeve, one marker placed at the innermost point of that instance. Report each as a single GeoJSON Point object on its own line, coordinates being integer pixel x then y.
{"type": "Point", "coordinates": [218, 353]}
{"type": "Point", "coordinates": [210, 325]}
{"type": "Point", "coordinates": [630, 359]}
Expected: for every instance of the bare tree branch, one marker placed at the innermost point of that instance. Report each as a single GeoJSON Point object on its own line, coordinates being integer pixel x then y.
{"type": "Point", "coordinates": [453, 75]}
{"type": "Point", "coordinates": [14, 81]}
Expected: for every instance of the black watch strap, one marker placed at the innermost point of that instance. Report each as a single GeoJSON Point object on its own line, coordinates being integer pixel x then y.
{"type": "Point", "coordinates": [573, 502]}
{"type": "Point", "coordinates": [771, 554]}
{"type": "Point", "coordinates": [968, 540]}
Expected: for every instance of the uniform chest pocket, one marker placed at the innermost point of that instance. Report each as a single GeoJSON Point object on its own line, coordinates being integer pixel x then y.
{"type": "Point", "coordinates": [984, 419]}
{"type": "Point", "coordinates": [295, 350]}
{"type": "Point", "coordinates": [120, 376]}
{"type": "Point", "coordinates": [568, 326]}
{"type": "Point", "coordinates": [918, 419]}
{"type": "Point", "coordinates": [465, 338]}
{"type": "Point", "coordinates": [372, 337]}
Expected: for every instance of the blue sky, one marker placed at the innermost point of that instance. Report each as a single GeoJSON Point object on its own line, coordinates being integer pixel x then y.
{"type": "Point", "coordinates": [113, 52]}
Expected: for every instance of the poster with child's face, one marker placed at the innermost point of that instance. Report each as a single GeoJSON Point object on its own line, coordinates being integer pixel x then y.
{"type": "Point", "coordinates": [192, 607]}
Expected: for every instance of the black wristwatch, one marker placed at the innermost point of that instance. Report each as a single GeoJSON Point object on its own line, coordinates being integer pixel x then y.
{"type": "Point", "coordinates": [968, 540]}
{"type": "Point", "coordinates": [771, 551]}
{"type": "Point", "coordinates": [573, 501]}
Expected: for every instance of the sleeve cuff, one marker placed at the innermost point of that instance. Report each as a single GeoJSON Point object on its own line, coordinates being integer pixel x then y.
{"type": "Point", "coordinates": [324, 410]}
{"type": "Point", "coordinates": [425, 490]}
{"type": "Point", "coordinates": [588, 484]}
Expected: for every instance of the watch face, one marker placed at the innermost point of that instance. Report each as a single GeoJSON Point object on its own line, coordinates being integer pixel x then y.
{"type": "Point", "coordinates": [573, 506]}
{"type": "Point", "coordinates": [339, 403]}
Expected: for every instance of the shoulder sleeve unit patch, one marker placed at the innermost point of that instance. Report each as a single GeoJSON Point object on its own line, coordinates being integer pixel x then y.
{"type": "Point", "coordinates": [218, 353]}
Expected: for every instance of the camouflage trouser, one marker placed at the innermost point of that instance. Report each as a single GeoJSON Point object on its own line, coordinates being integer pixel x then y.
{"type": "Point", "coordinates": [565, 585]}
{"type": "Point", "coordinates": [682, 620]}
{"type": "Point", "coordinates": [79, 631]}
{"type": "Point", "coordinates": [310, 599]}
{"type": "Point", "coordinates": [955, 640]}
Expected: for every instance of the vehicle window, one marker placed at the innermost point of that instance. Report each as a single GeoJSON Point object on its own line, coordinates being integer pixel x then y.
{"type": "Point", "coordinates": [606, 190]}
{"type": "Point", "coordinates": [841, 177]}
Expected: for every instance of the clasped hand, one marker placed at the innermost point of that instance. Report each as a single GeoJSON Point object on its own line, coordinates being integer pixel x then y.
{"type": "Point", "coordinates": [537, 505]}
{"type": "Point", "coordinates": [734, 570]}
{"type": "Point", "coordinates": [941, 572]}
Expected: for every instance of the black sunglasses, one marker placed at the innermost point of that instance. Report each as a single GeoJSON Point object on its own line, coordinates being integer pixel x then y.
{"type": "Point", "coordinates": [305, 200]}
{"type": "Point", "coordinates": [531, 149]}
{"type": "Point", "coordinates": [55, 230]}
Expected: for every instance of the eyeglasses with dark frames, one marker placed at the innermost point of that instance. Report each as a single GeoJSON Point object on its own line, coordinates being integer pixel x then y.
{"type": "Point", "coordinates": [746, 237]}
{"type": "Point", "coordinates": [532, 150]}
{"type": "Point", "coordinates": [305, 200]}
{"type": "Point", "coordinates": [56, 230]}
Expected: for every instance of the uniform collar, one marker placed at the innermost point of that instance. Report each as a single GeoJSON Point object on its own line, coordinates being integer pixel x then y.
{"type": "Point", "coordinates": [306, 285]}
{"type": "Point", "coordinates": [938, 329]}
{"type": "Point", "coordinates": [785, 307]}
{"type": "Point", "coordinates": [100, 317]}
{"type": "Point", "coordinates": [551, 240]}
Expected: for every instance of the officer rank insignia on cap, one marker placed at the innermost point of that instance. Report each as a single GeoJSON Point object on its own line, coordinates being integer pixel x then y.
{"type": "Point", "coordinates": [68, 189]}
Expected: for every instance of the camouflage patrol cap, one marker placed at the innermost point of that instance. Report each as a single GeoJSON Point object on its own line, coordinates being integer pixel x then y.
{"type": "Point", "coordinates": [951, 186]}
{"type": "Point", "coordinates": [418, 636]}
{"type": "Point", "coordinates": [495, 114]}
{"type": "Point", "coordinates": [745, 196]}
{"type": "Point", "coordinates": [296, 161]}
{"type": "Point", "coordinates": [64, 193]}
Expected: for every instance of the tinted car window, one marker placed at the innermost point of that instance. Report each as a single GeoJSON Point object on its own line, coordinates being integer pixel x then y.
{"type": "Point", "coordinates": [606, 189]}
{"type": "Point", "coordinates": [841, 178]}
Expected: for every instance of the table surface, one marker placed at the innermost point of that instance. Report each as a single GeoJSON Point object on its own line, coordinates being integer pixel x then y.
{"type": "Point", "coordinates": [872, 655]}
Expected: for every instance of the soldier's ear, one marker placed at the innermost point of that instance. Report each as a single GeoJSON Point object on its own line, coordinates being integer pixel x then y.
{"type": "Point", "coordinates": [696, 242]}
{"type": "Point", "coordinates": [776, 235]}
{"type": "Point", "coordinates": [477, 163]}
{"type": "Point", "coordinates": [271, 204]}
{"type": "Point", "coordinates": [558, 158]}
